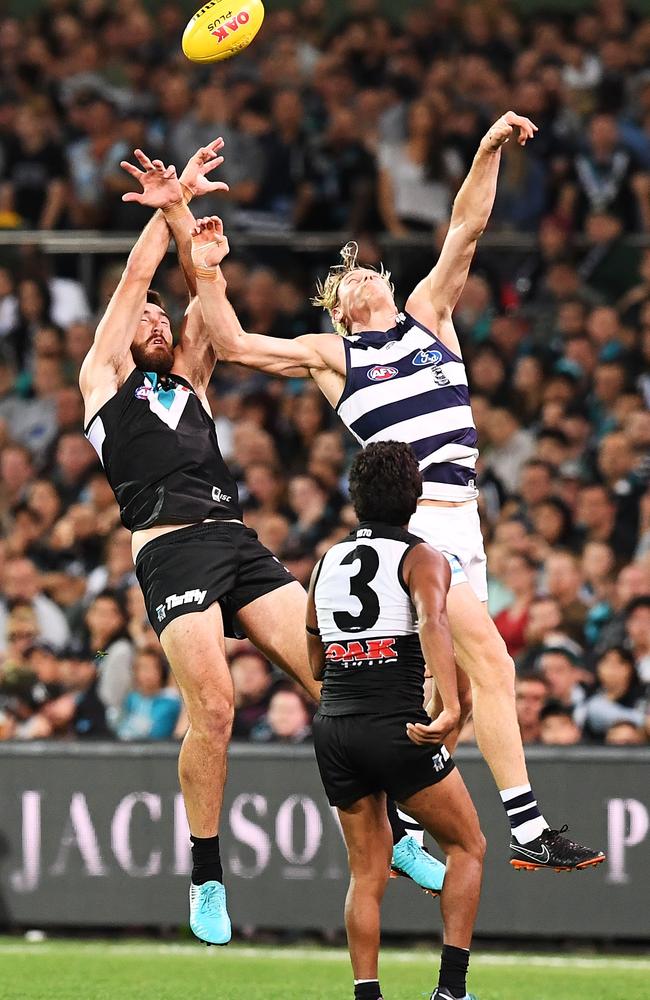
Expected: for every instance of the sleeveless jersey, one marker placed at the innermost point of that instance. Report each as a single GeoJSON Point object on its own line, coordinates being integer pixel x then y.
{"type": "Point", "coordinates": [160, 452]}
{"type": "Point", "coordinates": [367, 623]}
{"type": "Point", "coordinates": [405, 385]}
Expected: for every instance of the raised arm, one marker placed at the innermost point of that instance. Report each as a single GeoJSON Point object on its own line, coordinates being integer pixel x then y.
{"type": "Point", "coordinates": [109, 356]}
{"type": "Point", "coordinates": [300, 357]}
{"type": "Point", "coordinates": [433, 300]}
{"type": "Point", "coordinates": [427, 576]}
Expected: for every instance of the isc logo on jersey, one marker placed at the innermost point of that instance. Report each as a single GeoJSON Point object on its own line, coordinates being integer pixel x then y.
{"type": "Point", "coordinates": [381, 373]}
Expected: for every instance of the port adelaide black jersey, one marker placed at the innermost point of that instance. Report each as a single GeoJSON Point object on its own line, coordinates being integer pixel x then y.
{"type": "Point", "coordinates": [159, 448]}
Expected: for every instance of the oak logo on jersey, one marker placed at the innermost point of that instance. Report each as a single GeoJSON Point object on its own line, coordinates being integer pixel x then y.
{"type": "Point", "coordinates": [367, 649]}
{"type": "Point", "coordinates": [424, 358]}
{"type": "Point", "coordinates": [381, 373]}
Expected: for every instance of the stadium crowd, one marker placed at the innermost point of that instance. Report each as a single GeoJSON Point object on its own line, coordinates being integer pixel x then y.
{"type": "Point", "coordinates": [366, 125]}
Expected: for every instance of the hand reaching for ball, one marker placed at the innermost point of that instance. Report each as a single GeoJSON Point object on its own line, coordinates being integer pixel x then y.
{"type": "Point", "coordinates": [209, 245]}
{"type": "Point", "coordinates": [503, 128]}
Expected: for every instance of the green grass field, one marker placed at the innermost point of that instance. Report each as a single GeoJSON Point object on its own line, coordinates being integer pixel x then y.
{"type": "Point", "coordinates": [55, 970]}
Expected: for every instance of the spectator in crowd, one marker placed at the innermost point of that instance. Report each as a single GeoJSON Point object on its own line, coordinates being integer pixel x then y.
{"type": "Point", "coordinates": [107, 633]}
{"type": "Point", "coordinates": [637, 627]}
{"type": "Point", "coordinates": [253, 683]}
{"type": "Point", "coordinates": [564, 583]}
{"type": "Point", "coordinates": [521, 578]}
{"type": "Point", "coordinates": [34, 172]}
{"type": "Point", "coordinates": [559, 669]}
{"type": "Point", "coordinates": [80, 712]}
{"type": "Point", "coordinates": [21, 582]}
{"type": "Point", "coordinates": [287, 720]}
{"type": "Point", "coordinates": [618, 696]}
{"type": "Point", "coordinates": [558, 727]}
{"type": "Point", "coordinates": [151, 709]}
{"type": "Point", "coordinates": [625, 734]}
{"type": "Point", "coordinates": [418, 177]}
{"type": "Point", "coordinates": [531, 694]}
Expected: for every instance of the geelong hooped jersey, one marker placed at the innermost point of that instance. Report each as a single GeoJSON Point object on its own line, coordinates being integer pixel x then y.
{"type": "Point", "coordinates": [368, 626]}
{"type": "Point", "coordinates": [405, 385]}
{"type": "Point", "coordinates": [161, 455]}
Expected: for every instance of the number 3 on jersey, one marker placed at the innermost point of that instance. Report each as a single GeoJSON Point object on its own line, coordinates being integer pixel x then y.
{"type": "Point", "coordinates": [368, 616]}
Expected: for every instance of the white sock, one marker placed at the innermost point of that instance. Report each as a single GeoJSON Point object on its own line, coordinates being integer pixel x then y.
{"type": "Point", "coordinates": [526, 821]}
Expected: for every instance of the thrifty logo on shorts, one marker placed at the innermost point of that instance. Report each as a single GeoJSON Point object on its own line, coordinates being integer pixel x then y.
{"type": "Point", "coordinates": [175, 600]}
{"type": "Point", "coordinates": [370, 649]}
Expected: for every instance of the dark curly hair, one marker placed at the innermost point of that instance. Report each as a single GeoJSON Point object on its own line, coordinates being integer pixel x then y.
{"type": "Point", "coordinates": [385, 483]}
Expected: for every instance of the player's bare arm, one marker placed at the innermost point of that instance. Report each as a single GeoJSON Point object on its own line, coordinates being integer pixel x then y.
{"type": "Point", "coordinates": [427, 576]}
{"type": "Point", "coordinates": [315, 647]}
{"type": "Point", "coordinates": [434, 299]}
{"type": "Point", "coordinates": [321, 356]}
{"type": "Point", "coordinates": [109, 361]}
{"type": "Point", "coordinates": [194, 356]}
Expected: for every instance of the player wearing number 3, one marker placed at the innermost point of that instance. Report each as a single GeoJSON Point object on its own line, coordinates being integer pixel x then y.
{"type": "Point", "coordinates": [400, 376]}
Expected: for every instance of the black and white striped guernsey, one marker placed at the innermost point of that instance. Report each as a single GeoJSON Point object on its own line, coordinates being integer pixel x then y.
{"type": "Point", "coordinates": [368, 625]}
{"type": "Point", "coordinates": [405, 385]}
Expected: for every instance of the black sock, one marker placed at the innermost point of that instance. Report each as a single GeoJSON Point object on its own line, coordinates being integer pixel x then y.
{"type": "Point", "coordinates": [397, 824]}
{"type": "Point", "coordinates": [453, 970]}
{"type": "Point", "coordinates": [367, 991]}
{"type": "Point", "coordinates": [206, 860]}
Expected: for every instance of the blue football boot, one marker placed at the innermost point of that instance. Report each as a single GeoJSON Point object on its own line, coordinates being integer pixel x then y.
{"type": "Point", "coordinates": [412, 861]}
{"type": "Point", "coordinates": [209, 918]}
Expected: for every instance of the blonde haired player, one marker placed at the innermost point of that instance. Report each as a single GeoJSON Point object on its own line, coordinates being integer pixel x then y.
{"type": "Point", "coordinates": [400, 376]}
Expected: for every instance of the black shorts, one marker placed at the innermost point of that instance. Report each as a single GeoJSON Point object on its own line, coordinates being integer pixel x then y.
{"type": "Point", "coordinates": [188, 570]}
{"type": "Point", "coordinates": [359, 755]}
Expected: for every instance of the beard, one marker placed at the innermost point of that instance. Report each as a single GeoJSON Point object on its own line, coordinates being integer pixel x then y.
{"type": "Point", "coordinates": [153, 359]}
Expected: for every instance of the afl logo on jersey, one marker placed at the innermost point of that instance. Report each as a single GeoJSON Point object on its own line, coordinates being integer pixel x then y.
{"type": "Point", "coordinates": [381, 373]}
{"type": "Point", "coordinates": [423, 358]}
{"type": "Point", "coordinates": [143, 392]}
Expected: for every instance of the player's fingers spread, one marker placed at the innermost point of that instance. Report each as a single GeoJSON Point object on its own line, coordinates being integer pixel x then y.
{"type": "Point", "coordinates": [131, 196]}
{"type": "Point", "coordinates": [130, 169]}
{"type": "Point", "coordinates": [211, 164]}
{"type": "Point", "coordinates": [158, 165]}
{"type": "Point", "coordinates": [143, 159]}
{"type": "Point", "coordinates": [219, 186]}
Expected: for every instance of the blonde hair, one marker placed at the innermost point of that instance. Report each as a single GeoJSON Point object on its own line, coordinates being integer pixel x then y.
{"type": "Point", "coordinates": [327, 291]}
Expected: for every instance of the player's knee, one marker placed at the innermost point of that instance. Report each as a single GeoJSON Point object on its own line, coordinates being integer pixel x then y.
{"type": "Point", "coordinates": [370, 877]}
{"type": "Point", "coordinates": [211, 712]}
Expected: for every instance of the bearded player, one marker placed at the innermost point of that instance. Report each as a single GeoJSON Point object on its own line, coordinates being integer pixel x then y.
{"type": "Point", "coordinates": [199, 567]}
{"type": "Point", "coordinates": [400, 376]}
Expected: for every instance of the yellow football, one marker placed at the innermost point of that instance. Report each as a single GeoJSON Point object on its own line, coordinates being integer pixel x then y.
{"type": "Point", "coordinates": [221, 29]}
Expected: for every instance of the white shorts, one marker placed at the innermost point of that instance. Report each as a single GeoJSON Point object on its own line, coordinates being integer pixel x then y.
{"type": "Point", "coordinates": [456, 533]}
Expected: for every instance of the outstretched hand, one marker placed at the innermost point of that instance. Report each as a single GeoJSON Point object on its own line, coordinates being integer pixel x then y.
{"type": "Point", "coordinates": [204, 161]}
{"type": "Point", "coordinates": [209, 245]}
{"type": "Point", "coordinates": [160, 185]}
{"type": "Point", "coordinates": [504, 127]}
